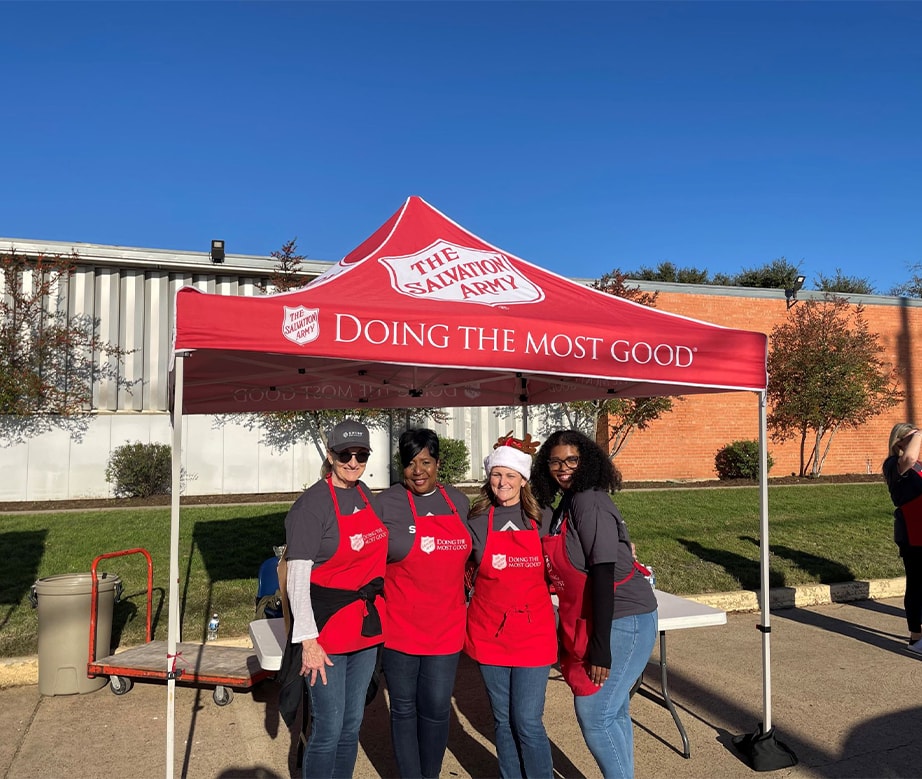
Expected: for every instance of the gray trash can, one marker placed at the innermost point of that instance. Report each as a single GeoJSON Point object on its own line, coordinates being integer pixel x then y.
{"type": "Point", "coordinates": [63, 604]}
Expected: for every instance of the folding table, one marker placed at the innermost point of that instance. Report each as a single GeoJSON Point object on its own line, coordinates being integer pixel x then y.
{"type": "Point", "coordinates": [676, 613]}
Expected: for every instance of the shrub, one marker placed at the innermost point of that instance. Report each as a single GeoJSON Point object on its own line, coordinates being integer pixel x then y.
{"type": "Point", "coordinates": [139, 470]}
{"type": "Point", "coordinates": [454, 461]}
{"type": "Point", "coordinates": [740, 460]}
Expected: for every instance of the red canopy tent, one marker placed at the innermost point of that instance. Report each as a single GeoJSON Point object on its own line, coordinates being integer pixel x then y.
{"type": "Point", "coordinates": [424, 313]}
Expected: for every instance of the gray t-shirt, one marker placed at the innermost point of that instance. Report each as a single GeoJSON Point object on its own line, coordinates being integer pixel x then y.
{"type": "Point", "coordinates": [311, 529]}
{"type": "Point", "coordinates": [395, 513]}
{"type": "Point", "coordinates": [596, 533]}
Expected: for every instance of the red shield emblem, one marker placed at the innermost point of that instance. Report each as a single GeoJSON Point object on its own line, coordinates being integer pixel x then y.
{"type": "Point", "coordinates": [499, 561]}
{"type": "Point", "coordinates": [300, 324]}
{"type": "Point", "coordinates": [357, 542]}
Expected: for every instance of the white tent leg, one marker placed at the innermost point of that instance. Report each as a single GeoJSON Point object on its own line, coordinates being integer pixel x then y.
{"type": "Point", "coordinates": [173, 636]}
{"type": "Point", "coordinates": [762, 749]}
{"type": "Point", "coordinates": [763, 566]}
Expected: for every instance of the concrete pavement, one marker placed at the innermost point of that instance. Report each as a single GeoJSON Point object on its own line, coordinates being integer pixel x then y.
{"type": "Point", "coordinates": [844, 700]}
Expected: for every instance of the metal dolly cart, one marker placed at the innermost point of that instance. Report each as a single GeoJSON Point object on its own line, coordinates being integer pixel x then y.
{"type": "Point", "coordinates": [227, 668]}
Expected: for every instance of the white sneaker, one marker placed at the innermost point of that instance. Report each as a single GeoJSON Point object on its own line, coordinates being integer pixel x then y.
{"type": "Point", "coordinates": [916, 647]}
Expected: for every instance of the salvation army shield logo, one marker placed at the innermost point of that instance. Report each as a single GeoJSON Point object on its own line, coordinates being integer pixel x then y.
{"type": "Point", "coordinates": [357, 542]}
{"type": "Point", "coordinates": [447, 272]}
{"type": "Point", "coordinates": [499, 561]}
{"type": "Point", "coordinates": [301, 325]}
{"type": "Point", "coordinates": [427, 544]}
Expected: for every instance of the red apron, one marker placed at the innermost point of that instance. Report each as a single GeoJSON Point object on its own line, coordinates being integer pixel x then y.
{"type": "Point", "coordinates": [360, 557]}
{"type": "Point", "coordinates": [574, 611]}
{"type": "Point", "coordinates": [510, 620]}
{"type": "Point", "coordinates": [425, 591]}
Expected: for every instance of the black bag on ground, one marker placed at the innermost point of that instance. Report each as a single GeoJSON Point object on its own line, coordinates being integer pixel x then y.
{"type": "Point", "coordinates": [763, 751]}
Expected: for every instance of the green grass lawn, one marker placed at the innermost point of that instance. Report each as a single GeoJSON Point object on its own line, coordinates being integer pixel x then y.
{"type": "Point", "coordinates": [703, 540]}
{"type": "Point", "coordinates": [221, 548]}
{"type": "Point", "coordinates": [698, 540]}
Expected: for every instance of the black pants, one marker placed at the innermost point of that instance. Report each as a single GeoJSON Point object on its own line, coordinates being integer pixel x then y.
{"type": "Point", "coordinates": [912, 600]}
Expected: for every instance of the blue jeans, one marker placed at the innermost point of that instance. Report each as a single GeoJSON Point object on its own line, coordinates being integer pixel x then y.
{"type": "Point", "coordinates": [604, 717]}
{"type": "Point", "coordinates": [419, 688]}
{"type": "Point", "coordinates": [517, 698]}
{"type": "Point", "coordinates": [337, 708]}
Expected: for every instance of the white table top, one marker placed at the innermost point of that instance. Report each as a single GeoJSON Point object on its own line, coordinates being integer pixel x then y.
{"type": "Point", "coordinates": [268, 637]}
{"type": "Point", "coordinates": [676, 612]}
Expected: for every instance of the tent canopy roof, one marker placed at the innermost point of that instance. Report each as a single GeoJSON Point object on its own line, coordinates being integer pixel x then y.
{"type": "Point", "coordinates": [425, 314]}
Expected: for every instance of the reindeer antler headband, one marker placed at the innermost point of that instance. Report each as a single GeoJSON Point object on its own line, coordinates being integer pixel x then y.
{"type": "Point", "coordinates": [527, 444]}
{"type": "Point", "coordinates": [511, 452]}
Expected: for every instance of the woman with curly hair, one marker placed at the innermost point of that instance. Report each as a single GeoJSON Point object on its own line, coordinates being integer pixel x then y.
{"type": "Point", "coordinates": [607, 613]}
{"type": "Point", "coordinates": [510, 620]}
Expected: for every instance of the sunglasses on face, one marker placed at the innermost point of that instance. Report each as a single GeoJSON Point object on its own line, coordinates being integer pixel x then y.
{"type": "Point", "coordinates": [570, 462]}
{"type": "Point", "coordinates": [345, 457]}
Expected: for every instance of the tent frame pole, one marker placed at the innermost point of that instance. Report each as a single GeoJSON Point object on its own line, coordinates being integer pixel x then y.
{"type": "Point", "coordinates": [173, 635]}
{"type": "Point", "coordinates": [764, 598]}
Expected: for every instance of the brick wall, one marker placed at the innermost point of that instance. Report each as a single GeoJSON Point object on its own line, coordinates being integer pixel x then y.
{"type": "Point", "coordinates": [682, 444]}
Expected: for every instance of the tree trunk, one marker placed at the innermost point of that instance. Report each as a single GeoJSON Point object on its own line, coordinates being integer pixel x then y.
{"type": "Point", "coordinates": [817, 443]}
{"type": "Point", "coordinates": [803, 443]}
{"type": "Point", "coordinates": [601, 431]}
{"type": "Point", "coordinates": [832, 434]}
{"type": "Point", "coordinates": [620, 440]}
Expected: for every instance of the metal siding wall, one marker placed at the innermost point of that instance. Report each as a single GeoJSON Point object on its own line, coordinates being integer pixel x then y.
{"type": "Point", "coordinates": [81, 295]}
{"type": "Point", "coordinates": [132, 340]}
{"type": "Point", "coordinates": [106, 308]}
{"type": "Point", "coordinates": [249, 287]}
{"type": "Point", "coordinates": [227, 285]}
{"type": "Point", "coordinates": [157, 296]}
{"type": "Point", "coordinates": [133, 309]}
{"type": "Point", "coordinates": [480, 427]}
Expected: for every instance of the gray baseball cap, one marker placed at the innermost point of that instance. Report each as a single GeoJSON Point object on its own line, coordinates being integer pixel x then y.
{"type": "Point", "coordinates": [347, 434]}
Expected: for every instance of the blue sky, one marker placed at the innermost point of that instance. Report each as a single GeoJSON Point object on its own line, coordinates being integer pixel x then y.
{"type": "Point", "coordinates": [579, 136]}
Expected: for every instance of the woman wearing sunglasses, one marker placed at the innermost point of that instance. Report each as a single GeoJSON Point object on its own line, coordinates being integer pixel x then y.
{"type": "Point", "coordinates": [607, 610]}
{"type": "Point", "coordinates": [510, 621]}
{"type": "Point", "coordinates": [428, 546]}
{"type": "Point", "coordinates": [337, 552]}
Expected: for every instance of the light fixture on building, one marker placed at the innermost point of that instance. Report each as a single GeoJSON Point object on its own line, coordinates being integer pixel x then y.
{"type": "Point", "coordinates": [791, 292]}
{"type": "Point", "coordinates": [217, 251]}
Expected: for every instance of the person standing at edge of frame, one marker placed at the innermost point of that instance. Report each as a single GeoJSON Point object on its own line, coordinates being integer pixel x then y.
{"type": "Point", "coordinates": [903, 474]}
{"type": "Point", "coordinates": [336, 554]}
{"type": "Point", "coordinates": [608, 613]}
{"type": "Point", "coordinates": [428, 546]}
{"type": "Point", "coordinates": [510, 621]}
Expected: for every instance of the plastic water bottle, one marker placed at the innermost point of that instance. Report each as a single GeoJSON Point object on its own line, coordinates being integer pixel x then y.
{"type": "Point", "coordinates": [213, 625]}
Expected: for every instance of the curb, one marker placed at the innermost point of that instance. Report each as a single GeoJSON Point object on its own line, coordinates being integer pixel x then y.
{"type": "Point", "coordinates": [805, 595]}
{"type": "Point", "coordinates": [23, 671]}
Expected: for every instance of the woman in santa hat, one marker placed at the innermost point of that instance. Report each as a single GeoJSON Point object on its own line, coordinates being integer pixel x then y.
{"type": "Point", "coordinates": [510, 621]}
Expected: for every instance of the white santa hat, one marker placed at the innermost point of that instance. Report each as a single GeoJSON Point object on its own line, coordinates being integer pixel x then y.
{"type": "Point", "coordinates": [508, 457]}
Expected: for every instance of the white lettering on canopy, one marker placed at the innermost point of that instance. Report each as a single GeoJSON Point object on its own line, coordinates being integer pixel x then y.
{"type": "Point", "coordinates": [383, 333]}
{"type": "Point", "coordinates": [446, 271]}
{"type": "Point", "coordinates": [350, 328]}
